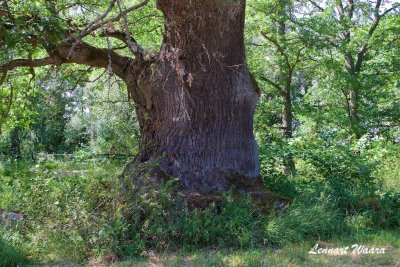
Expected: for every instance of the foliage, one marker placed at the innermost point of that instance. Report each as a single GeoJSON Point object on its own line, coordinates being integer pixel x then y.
{"type": "Point", "coordinates": [170, 223]}
{"type": "Point", "coordinates": [63, 216]}
{"type": "Point", "coordinates": [74, 211]}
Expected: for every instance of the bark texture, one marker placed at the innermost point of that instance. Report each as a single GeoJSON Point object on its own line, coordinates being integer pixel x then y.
{"type": "Point", "coordinates": [196, 101]}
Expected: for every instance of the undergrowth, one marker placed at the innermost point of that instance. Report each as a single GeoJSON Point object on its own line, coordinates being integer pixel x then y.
{"type": "Point", "coordinates": [73, 211]}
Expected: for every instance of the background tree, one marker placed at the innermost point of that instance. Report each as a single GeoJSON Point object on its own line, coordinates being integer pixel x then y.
{"type": "Point", "coordinates": [348, 31]}
{"type": "Point", "coordinates": [279, 59]}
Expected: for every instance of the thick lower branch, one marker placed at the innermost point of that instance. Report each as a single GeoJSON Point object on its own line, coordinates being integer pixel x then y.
{"type": "Point", "coordinates": [83, 54]}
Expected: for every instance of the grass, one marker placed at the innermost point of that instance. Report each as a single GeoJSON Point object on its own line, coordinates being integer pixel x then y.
{"type": "Point", "coordinates": [72, 216]}
{"type": "Point", "coordinates": [290, 255]}
{"type": "Point", "coordinates": [67, 207]}
{"type": "Point", "coordinates": [9, 256]}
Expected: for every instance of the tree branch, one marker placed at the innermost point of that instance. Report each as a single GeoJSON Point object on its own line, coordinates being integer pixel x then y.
{"type": "Point", "coordinates": [79, 79]}
{"type": "Point", "coordinates": [377, 6]}
{"type": "Point", "coordinates": [127, 39]}
{"type": "Point", "coordinates": [390, 9]}
{"type": "Point", "coordinates": [99, 22]}
{"type": "Point", "coordinates": [316, 5]}
{"type": "Point", "coordinates": [265, 79]}
{"type": "Point", "coordinates": [3, 77]}
{"type": "Point", "coordinates": [298, 55]}
{"type": "Point", "coordinates": [96, 22]}
{"type": "Point", "coordinates": [279, 47]}
{"type": "Point", "coordinates": [360, 57]}
{"type": "Point", "coordinates": [53, 60]}
{"type": "Point", "coordinates": [375, 24]}
{"type": "Point", "coordinates": [115, 34]}
{"type": "Point", "coordinates": [351, 9]}
{"type": "Point", "coordinates": [130, 41]}
{"type": "Point", "coordinates": [340, 10]}
{"type": "Point", "coordinates": [84, 54]}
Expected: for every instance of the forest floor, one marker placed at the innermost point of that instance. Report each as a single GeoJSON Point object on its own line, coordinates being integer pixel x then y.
{"type": "Point", "coordinates": [64, 206]}
{"type": "Point", "coordinates": [290, 255]}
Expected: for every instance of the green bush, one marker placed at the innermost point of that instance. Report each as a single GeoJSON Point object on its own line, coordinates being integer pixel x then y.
{"type": "Point", "coordinates": [163, 220]}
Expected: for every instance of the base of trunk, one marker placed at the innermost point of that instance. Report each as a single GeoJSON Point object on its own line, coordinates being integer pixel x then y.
{"type": "Point", "coordinates": [151, 174]}
{"type": "Point", "coordinates": [159, 168]}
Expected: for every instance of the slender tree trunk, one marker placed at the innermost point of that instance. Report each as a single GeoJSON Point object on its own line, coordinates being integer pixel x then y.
{"type": "Point", "coordinates": [196, 102]}
{"type": "Point", "coordinates": [353, 103]}
{"type": "Point", "coordinates": [353, 112]}
{"type": "Point", "coordinates": [287, 130]}
{"type": "Point", "coordinates": [287, 116]}
{"type": "Point", "coordinates": [15, 143]}
{"type": "Point", "coordinates": [353, 98]}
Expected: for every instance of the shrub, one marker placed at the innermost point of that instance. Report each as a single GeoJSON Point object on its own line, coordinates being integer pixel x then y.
{"type": "Point", "coordinates": [164, 220]}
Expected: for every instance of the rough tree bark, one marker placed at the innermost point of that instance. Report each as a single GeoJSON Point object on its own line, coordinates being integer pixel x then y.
{"type": "Point", "coordinates": [196, 101]}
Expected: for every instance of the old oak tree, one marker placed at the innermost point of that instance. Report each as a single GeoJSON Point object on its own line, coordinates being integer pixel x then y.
{"type": "Point", "coordinates": [195, 99]}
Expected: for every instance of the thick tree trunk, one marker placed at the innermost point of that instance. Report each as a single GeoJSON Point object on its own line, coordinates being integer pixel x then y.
{"type": "Point", "coordinates": [196, 102]}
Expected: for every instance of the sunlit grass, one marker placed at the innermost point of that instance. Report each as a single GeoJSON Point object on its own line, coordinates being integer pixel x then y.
{"type": "Point", "coordinates": [290, 255]}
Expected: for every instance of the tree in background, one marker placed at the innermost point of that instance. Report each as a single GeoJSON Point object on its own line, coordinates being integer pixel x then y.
{"type": "Point", "coordinates": [103, 117]}
{"type": "Point", "coordinates": [320, 82]}
{"type": "Point", "coordinates": [67, 114]}
{"type": "Point", "coordinates": [282, 47]}
{"type": "Point", "coordinates": [349, 35]}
